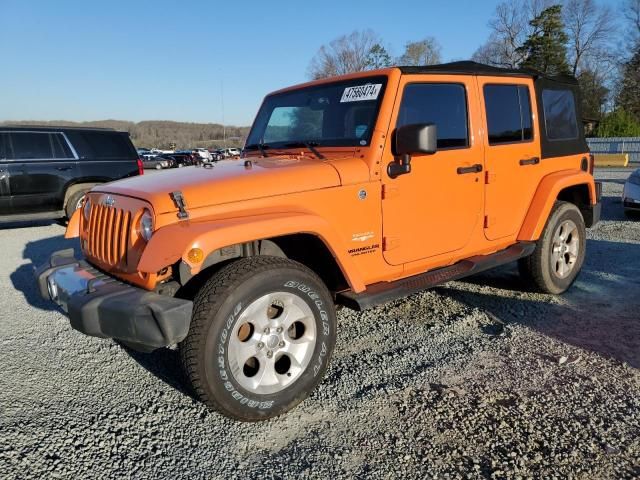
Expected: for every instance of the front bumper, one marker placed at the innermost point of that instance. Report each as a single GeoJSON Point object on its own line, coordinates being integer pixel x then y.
{"type": "Point", "coordinates": [101, 306]}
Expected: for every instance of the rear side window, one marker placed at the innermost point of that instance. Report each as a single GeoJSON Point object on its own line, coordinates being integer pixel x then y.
{"type": "Point", "coordinates": [444, 104]}
{"type": "Point", "coordinates": [60, 146]}
{"type": "Point", "coordinates": [3, 147]}
{"type": "Point", "coordinates": [560, 114]}
{"type": "Point", "coordinates": [30, 145]}
{"type": "Point", "coordinates": [101, 145]}
{"type": "Point", "coordinates": [508, 109]}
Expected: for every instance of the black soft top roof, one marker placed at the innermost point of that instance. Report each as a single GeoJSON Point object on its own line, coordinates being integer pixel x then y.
{"type": "Point", "coordinates": [474, 68]}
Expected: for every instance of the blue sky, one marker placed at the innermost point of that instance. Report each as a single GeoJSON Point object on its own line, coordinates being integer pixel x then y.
{"type": "Point", "coordinates": [171, 60]}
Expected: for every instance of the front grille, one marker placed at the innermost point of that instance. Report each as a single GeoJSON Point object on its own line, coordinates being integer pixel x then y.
{"type": "Point", "coordinates": [109, 234]}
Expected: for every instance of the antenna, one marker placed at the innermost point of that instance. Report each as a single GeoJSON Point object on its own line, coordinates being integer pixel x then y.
{"type": "Point", "coordinates": [224, 128]}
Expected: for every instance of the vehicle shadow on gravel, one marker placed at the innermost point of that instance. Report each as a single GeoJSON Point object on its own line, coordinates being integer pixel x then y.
{"type": "Point", "coordinates": [38, 252]}
{"type": "Point", "coordinates": [612, 209]}
{"type": "Point", "coordinates": [165, 365]}
{"type": "Point", "coordinates": [31, 224]}
{"type": "Point", "coordinates": [599, 313]}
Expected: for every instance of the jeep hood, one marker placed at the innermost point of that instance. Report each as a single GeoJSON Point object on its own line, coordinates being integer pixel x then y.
{"type": "Point", "coordinates": [227, 181]}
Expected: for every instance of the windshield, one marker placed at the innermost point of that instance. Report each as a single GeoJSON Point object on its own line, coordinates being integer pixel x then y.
{"type": "Point", "coordinates": [334, 114]}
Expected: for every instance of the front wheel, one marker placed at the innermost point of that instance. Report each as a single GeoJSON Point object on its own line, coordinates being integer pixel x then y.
{"type": "Point", "coordinates": [262, 333]}
{"type": "Point", "coordinates": [559, 254]}
{"type": "Point", "coordinates": [74, 202]}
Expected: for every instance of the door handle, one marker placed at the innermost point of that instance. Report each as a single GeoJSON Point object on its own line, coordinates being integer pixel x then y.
{"type": "Point", "coordinates": [477, 168]}
{"type": "Point", "coordinates": [530, 161]}
{"type": "Point", "coordinates": [62, 169]}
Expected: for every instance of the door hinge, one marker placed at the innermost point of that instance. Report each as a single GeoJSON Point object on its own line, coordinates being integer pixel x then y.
{"type": "Point", "coordinates": [389, 243]}
{"type": "Point", "coordinates": [486, 221]}
{"type": "Point", "coordinates": [389, 191]}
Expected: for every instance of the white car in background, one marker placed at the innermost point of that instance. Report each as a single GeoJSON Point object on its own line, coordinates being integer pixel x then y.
{"type": "Point", "coordinates": [204, 154]}
{"type": "Point", "coordinates": [631, 194]}
{"type": "Point", "coordinates": [230, 152]}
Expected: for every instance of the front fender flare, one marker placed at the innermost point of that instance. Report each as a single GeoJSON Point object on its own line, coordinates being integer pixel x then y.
{"type": "Point", "coordinates": [172, 243]}
{"type": "Point", "coordinates": [545, 197]}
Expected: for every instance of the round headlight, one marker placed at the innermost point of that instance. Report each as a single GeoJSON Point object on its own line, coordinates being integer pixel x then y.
{"type": "Point", "coordinates": [145, 225]}
{"type": "Point", "coordinates": [87, 208]}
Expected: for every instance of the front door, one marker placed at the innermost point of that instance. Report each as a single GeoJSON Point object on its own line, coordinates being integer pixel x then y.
{"type": "Point", "coordinates": [512, 153]}
{"type": "Point", "coordinates": [434, 209]}
{"type": "Point", "coordinates": [42, 167]}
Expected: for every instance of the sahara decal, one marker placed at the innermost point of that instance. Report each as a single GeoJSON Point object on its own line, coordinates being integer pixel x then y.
{"type": "Point", "coordinates": [362, 236]}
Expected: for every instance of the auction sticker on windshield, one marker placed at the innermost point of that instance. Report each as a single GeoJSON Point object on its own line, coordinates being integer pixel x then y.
{"type": "Point", "coordinates": [361, 93]}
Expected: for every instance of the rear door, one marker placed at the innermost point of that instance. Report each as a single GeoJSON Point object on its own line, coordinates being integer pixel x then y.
{"type": "Point", "coordinates": [42, 165]}
{"type": "Point", "coordinates": [512, 153]}
{"type": "Point", "coordinates": [104, 155]}
{"type": "Point", "coordinates": [5, 193]}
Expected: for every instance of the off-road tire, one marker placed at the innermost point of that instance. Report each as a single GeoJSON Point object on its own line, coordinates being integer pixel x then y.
{"type": "Point", "coordinates": [537, 270]}
{"type": "Point", "coordinates": [72, 202]}
{"type": "Point", "coordinates": [220, 304]}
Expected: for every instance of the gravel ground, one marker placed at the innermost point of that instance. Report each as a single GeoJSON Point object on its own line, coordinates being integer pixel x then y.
{"type": "Point", "coordinates": [474, 379]}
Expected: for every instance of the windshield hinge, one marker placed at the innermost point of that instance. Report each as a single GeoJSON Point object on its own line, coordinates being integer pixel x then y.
{"type": "Point", "coordinates": [178, 199]}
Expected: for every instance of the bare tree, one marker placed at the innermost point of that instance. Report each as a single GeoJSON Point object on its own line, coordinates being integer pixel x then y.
{"type": "Point", "coordinates": [423, 52]}
{"type": "Point", "coordinates": [345, 54]}
{"type": "Point", "coordinates": [589, 27]}
{"type": "Point", "coordinates": [510, 28]}
{"type": "Point", "coordinates": [631, 11]}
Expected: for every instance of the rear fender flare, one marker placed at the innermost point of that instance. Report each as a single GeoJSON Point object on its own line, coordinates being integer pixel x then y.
{"type": "Point", "coordinates": [546, 196]}
{"type": "Point", "coordinates": [172, 243]}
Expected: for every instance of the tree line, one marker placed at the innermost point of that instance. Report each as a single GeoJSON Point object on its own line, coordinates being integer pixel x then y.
{"type": "Point", "coordinates": [163, 133]}
{"type": "Point", "coordinates": [590, 40]}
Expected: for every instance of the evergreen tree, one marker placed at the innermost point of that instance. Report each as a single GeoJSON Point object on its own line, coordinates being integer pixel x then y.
{"type": "Point", "coordinates": [629, 95]}
{"type": "Point", "coordinates": [618, 124]}
{"type": "Point", "coordinates": [593, 94]}
{"type": "Point", "coordinates": [378, 57]}
{"type": "Point", "coordinates": [545, 49]}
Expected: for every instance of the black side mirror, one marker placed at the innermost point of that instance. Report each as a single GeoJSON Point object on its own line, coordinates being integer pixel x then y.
{"type": "Point", "coordinates": [409, 140]}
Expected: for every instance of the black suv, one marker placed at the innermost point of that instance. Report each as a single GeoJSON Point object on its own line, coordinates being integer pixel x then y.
{"type": "Point", "coordinates": [45, 171]}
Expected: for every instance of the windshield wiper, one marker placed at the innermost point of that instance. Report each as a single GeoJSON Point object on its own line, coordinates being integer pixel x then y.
{"type": "Point", "coordinates": [311, 145]}
{"type": "Point", "coordinates": [258, 146]}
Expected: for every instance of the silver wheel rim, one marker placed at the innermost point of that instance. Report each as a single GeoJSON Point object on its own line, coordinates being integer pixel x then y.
{"type": "Point", "coordinates": [565, 249]}
{"type": "Point", "coordinates": [79, 203]}
{"type": "Point", "coordinates": [272, 342]}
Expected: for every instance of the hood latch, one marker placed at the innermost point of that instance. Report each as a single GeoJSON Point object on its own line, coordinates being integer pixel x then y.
{"type": "Point", "coordinates": [178, 199]}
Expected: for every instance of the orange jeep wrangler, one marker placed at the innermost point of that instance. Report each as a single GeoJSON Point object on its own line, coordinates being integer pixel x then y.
{"type": "Point", "coordinates": [352, 191]}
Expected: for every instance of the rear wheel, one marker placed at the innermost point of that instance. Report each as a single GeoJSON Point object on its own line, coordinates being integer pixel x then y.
{"type": "Point", "coordinates": [559, 253]}
{"type": "Point", "coordinates": [262, 333]}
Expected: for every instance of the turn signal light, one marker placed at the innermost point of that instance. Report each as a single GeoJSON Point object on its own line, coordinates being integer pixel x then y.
{"type": "Point", "coordinates": [195, 255]}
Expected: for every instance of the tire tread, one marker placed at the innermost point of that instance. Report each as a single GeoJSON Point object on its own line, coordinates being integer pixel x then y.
{"type": "Point", "coordinates": [208, 299]}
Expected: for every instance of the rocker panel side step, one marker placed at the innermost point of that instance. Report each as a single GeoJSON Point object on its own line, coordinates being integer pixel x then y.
{"type": "Point", "coordinates": [383, 292]}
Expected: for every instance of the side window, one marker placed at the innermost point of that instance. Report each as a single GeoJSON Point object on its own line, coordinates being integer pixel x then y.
{"type": "Point", "coordinates": [60, 147]}
{"type": "Point", "coordinates": [508, 109]}
{"type": "Point", "coordinates": [560, 114]}
{"type": "Point", "coordinates": [101, 145]}
{"type": "Point", "coordinates": [444, 104]}
{"type": "Point", "coordinates": [30, 145]}
{"type": "Point", "coordinates": [3, 147]}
